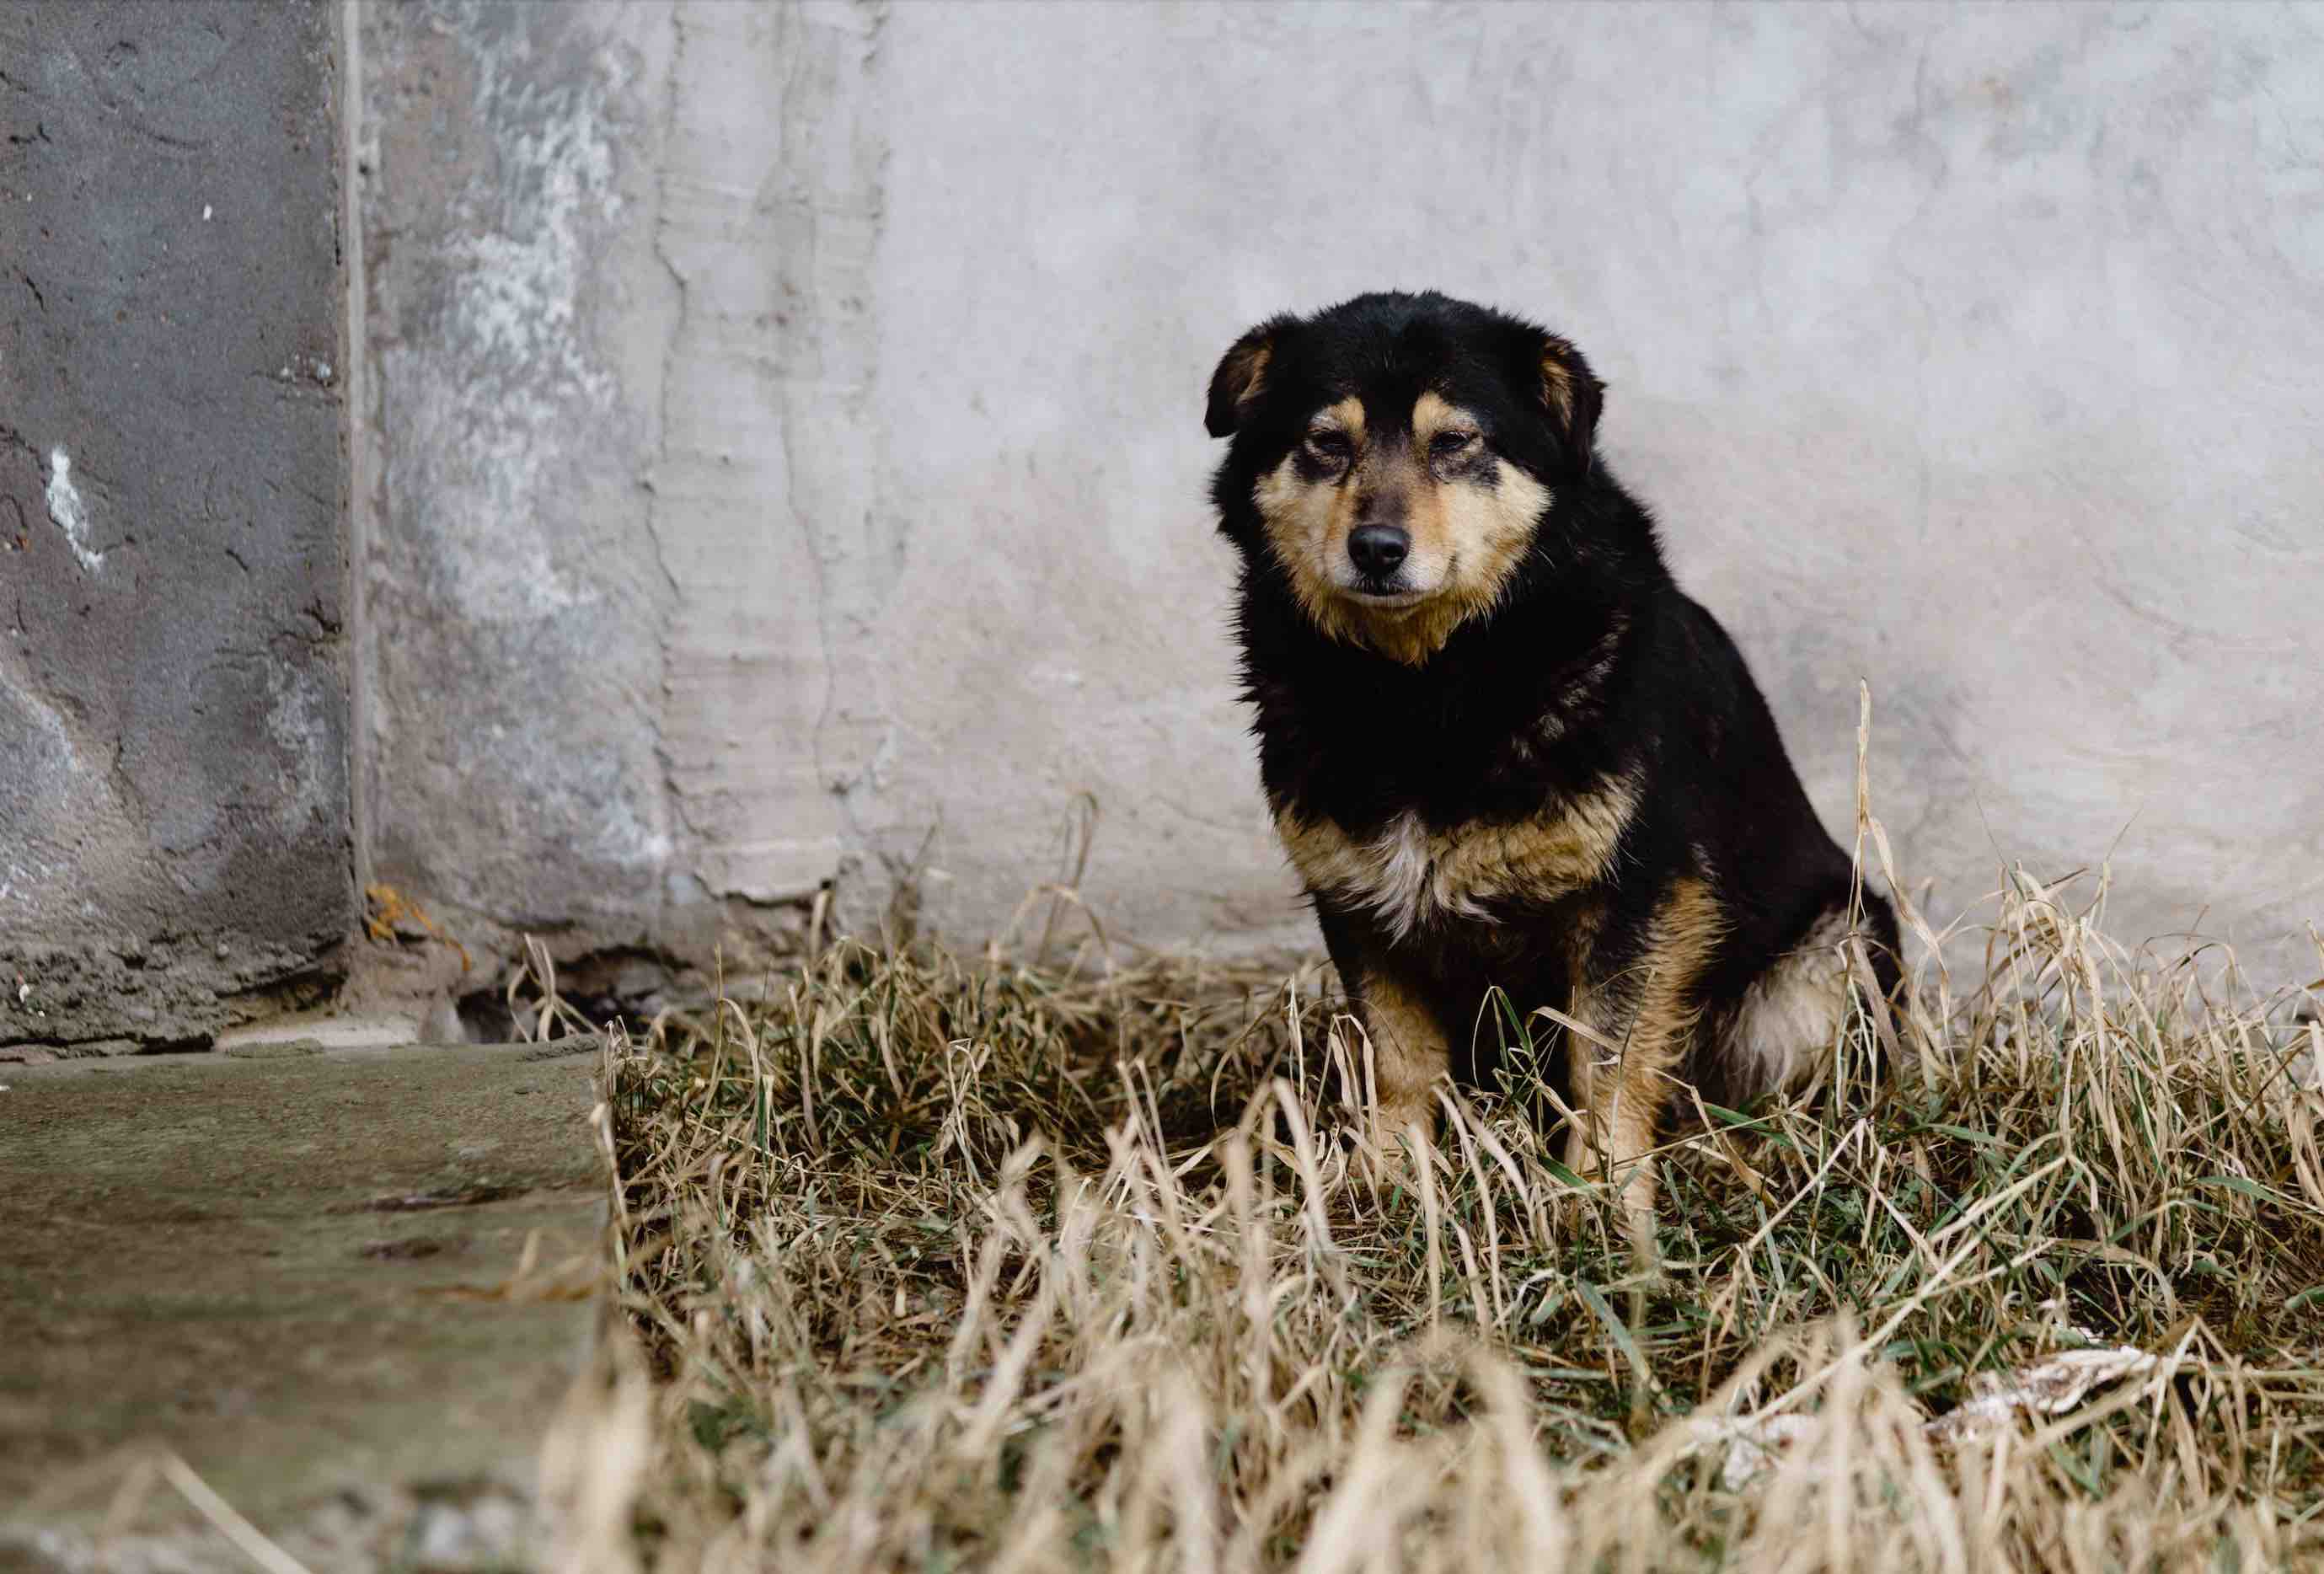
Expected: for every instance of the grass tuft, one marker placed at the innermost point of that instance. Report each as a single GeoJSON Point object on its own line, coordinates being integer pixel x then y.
{"type": "Point", "coordinates": [945, 1263]}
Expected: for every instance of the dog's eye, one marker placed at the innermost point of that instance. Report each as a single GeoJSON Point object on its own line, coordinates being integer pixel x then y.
{"type": "Point", "coordinates": [1444, 445]}
{"type": "Point", "coordinates": [1328, 444]}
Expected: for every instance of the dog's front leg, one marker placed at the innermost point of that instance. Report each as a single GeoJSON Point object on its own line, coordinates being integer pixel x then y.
{"type": "Point", "coordinates": [1395, 1078]}
{"type": "Point", "coordinates": [1621, 1091]}
{"type": "Point", "coordinates": [1409, 1056]}
{"type": "Point", "coordinates": [1620, 1085]}
{"type": "Point", "coordinates": [1645, 1017]}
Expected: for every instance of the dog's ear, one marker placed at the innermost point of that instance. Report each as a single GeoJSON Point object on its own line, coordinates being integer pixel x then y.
{"type": "Point", "coordinates": [1240, 378]}
{"type": "Point", "coordinates": [1573, 397]}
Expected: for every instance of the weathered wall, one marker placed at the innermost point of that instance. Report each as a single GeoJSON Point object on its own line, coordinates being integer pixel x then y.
{"type": "Point", "coordinates": [515, 316]}
{"type": "Point", "coordinates": [789, 455]}
{"type": "Point", "coordinates": [174, 843]}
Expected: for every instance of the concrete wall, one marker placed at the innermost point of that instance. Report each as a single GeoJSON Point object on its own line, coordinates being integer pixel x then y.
{"type": "Point", "coordinates": [516, 317]}
{"type": "Point", "coordinates": [174, 839]}
{"type": "Point", "coordinates": [786, 453]}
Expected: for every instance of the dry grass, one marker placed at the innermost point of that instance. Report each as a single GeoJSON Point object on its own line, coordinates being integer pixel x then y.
{"type": "Point", "coordinates": [950, 1264]}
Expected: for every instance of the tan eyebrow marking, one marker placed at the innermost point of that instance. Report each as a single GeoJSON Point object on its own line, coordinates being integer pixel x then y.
{"type": "Point", "coordinates": [1347, 416]}
{"type": "Point", "coordinates": [1431, 414]}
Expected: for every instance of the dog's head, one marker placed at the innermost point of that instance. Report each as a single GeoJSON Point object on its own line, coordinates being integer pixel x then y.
{"type": "Point", "coordinates": [1394, 456]}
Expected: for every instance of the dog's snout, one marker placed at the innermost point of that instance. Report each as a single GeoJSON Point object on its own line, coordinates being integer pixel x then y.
{"type": "Point", "coordinates": [1378, 550]}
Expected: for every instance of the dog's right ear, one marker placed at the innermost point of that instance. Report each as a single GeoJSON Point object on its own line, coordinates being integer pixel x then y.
{"type": "Point", "coordinates": [1240, 378]}
{"type": "Point", "coordinates": [1573, 397]}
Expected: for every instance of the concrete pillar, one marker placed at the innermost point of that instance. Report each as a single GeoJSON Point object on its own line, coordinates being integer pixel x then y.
{"type": "Point", "coordinates": [175, 849]}
{"type": "Point", "coordinates": [513, 315]}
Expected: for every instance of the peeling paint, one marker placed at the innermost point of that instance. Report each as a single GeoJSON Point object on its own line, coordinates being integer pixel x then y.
{"type": "Point", "coordinates": [69, 513]}
{"type": "Point", "coordinates": [516, 324]}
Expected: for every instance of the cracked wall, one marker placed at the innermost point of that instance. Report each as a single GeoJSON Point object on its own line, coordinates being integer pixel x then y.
{"type": "Point", "coordinates": [789, 461]}
{"type": "Point", "coordinates": [174, 838]}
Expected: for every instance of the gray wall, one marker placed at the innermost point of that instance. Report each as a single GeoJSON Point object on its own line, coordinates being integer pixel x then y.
{"type": "Point", "coordinates": [786, 455]}
{"type": "Point", "coordinates": [174, 839]}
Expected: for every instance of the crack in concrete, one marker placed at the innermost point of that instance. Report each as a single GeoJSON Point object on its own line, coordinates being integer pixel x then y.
{"type": "Point", "coordinates": [822, 551]}
{"type": "Point", "coordinates": [806, 348]}
{"type": "Point", "coordinates": [674, 804]}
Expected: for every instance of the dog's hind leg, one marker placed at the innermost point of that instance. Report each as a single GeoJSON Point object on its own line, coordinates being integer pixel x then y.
{"type": "Point", "coordinates": [1784, 1035]}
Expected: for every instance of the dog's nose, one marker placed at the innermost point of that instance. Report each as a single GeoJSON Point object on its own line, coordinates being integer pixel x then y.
{"type": "Point", "coordinates": [1377, 550]}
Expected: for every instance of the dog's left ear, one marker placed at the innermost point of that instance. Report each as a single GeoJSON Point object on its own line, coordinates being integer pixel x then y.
{"type": "Point", "coordinates": [1240, 378]}
{"type": "Point", "coordinates": [1573, 396]}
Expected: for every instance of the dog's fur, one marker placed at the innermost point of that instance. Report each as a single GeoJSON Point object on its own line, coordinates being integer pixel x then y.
{"type": "Point", "coordinates": [1520, 757]}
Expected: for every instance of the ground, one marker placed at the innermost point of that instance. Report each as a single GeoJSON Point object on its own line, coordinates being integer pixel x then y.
{"type": "Point", "coordinates": [1050, 1260]}
{"type": "Point", "coordinates": [340, 1285]}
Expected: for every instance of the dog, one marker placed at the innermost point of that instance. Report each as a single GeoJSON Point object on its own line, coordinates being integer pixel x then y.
{"type": "Point", "coordinates": [1501, 747]}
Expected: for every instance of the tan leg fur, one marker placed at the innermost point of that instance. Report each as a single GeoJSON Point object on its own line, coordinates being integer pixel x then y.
{"type": "Point", "coordinates": [1645, 1011]}
{"type": "Point", "coordinates": [1409, 1054]}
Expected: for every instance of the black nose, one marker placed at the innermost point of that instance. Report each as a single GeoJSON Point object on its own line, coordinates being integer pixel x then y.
{"type": "Point", "coordinates": [1377, 550]}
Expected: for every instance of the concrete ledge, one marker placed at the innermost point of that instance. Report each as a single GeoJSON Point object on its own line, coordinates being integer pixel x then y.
{"type": "Point", "coordinates": [349, 1287]}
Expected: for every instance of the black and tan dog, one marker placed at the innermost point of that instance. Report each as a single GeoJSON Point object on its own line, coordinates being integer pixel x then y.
{"type": "Point", "coordinates": [1502, 746]}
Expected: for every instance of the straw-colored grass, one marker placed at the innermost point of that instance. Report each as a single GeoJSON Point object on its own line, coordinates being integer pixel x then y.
{"type": "Point", "coordinates": [947, 1264]}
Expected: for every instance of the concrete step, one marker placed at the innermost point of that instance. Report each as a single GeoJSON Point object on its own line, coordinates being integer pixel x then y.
{"type": "Point", "coordinates": [349, 1287]}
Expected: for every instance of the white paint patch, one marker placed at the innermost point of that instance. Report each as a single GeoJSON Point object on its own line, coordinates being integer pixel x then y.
{"type": "Point", "coordinates": [70, 514]}
{"type": "Point", "coordinates": [24, 878]}
{"type": "Point", "coordinates": [1791, 1018]}
{"type": "Point", "coordinates": [296, 722]}
{"type": "Point", "coordinates": [65, 798]}
{"type": "Point", "coordinates": [511, 404]}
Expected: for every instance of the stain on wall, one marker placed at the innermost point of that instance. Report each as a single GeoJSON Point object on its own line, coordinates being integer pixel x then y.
{"type": "Point", "coordinates": [174, 840]}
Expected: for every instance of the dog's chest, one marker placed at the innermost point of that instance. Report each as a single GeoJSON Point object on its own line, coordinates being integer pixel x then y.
{"type": "Point", "coordinates": [1411, 876]}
